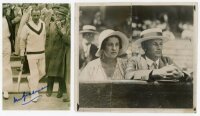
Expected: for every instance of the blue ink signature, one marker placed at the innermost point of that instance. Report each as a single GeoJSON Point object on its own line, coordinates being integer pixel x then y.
{"type": "Point", "coordinates": [24, 95]}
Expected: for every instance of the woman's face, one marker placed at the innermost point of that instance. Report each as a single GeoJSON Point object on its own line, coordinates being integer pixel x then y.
{"type": "Point", "coordinates": [112, 47]}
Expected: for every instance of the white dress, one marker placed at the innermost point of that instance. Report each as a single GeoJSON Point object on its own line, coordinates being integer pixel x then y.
{"type": "Point", "coordinates": [94, 72]}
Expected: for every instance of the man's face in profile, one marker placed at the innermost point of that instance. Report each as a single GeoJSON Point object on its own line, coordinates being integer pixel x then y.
{"type": "Point", "coordinates": [153, 48]}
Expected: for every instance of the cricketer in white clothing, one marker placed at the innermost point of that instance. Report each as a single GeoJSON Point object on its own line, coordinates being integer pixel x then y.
{"type": "Point", "coordinates": [33, 38]}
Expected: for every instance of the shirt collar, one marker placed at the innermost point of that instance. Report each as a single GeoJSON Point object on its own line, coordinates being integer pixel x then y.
{"type": "Point", "coordinates": [150, 62]}
{"type": "Point", "coordinates": [32, 23]}
{"type": "Point", "coordinates": [84, 44]}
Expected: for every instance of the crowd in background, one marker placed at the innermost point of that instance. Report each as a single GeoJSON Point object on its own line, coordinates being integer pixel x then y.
{"type": "Point", "coordinates": [132, 26]}
{"type": "Point", "coordinates": [18, 14]}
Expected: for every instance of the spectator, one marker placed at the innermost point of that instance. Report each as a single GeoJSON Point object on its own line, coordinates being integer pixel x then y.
{"type": "Point", "coordinates": [98, 21]}
{"type": "Point", "coordinates": [13, 18]}
{"type": "Point", "coordinates": [7, 72]}
{"type": "Point", "coordinates": [26, 11]}
{"type": "Point", "coordinates": [153, 65]}
{"type": "Point", "coordinates": [187, 32]}
{"type": "Point", "coordinates": [87, 49]}
{"type": "Point", "coordinates": [58, 42]}
{"type": "Point", "coordinates": [108, 66]}
{"type": "Point", "coordinates": [164, 25]}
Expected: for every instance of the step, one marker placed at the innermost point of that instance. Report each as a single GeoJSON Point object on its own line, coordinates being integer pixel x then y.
{"type": "Point", "coordinates": [15, 63]}
{"type": "Point", "coordinates": [24, 79]}
{"type": "Point", "coordinates": [24, 87]}
{"type": "Point", "coordinates": [15, 73]}
{"type": "Point", "coordinates": [14, 58]}
{"type": "Point", "coordinates": [24, 84]}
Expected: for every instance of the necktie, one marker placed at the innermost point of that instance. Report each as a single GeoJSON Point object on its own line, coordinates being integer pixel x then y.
{"type": "Point", "coordinates": [154, 65]}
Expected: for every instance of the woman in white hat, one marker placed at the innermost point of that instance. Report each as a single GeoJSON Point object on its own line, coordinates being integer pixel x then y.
{"type": "Point", "coordinates": [108, 66]}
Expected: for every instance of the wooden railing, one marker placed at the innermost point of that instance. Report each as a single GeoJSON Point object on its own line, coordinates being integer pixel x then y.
{"type": "Point", "coordinates": [135, 94]}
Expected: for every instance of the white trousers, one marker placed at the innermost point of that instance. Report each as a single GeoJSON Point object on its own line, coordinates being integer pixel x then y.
{"type": "Point", "coordinates": [37, 69]}
{"type": "Point", "coordinates": [7, 73]}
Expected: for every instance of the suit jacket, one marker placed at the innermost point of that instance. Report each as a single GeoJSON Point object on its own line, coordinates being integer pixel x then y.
{"type": "Point", "coordinates": [137, 68]}
{"type": "Point", "coordinates": [84, 60]}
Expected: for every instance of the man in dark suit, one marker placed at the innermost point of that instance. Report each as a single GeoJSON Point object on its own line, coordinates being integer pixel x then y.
{"type": "Point", "coordinates": [87, 49]}
{"type": "Point", "coordinates": [153, 65]}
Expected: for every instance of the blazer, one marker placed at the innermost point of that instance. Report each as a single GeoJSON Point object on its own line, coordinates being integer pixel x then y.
{"type": "Point", "coordinates": [137, 68]}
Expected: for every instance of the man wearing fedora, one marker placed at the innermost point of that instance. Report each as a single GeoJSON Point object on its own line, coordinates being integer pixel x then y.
{"type": "Point", "coordinates": [87, 49]}
{"type": "Point", "coordinates": [153, 65]}
{"type": "Point", "coordinates": [57, 46]}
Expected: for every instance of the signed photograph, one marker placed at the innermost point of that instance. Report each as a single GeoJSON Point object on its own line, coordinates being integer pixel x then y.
{"type": "Point", "coordinates": [136, 57]}
{"type": "Point", "coordinates": [36, 56]}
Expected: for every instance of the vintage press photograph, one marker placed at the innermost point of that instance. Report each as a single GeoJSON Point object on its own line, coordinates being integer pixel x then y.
{"type": "Point", "coordinates": [135, 56]}
{"type": "Point", "coordinates": [36, 56]}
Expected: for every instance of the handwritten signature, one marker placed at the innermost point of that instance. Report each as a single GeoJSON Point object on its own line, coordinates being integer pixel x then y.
{"type": "Point", "coordinates": [25, 95]}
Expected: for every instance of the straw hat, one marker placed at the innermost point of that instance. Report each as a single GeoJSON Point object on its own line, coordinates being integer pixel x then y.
{"type": "Point", "coordinates": [107, 33]}
{"type": "Point", "coordinates": [88, 29]}
{"type": "Point", "coordinates": [149, 34]}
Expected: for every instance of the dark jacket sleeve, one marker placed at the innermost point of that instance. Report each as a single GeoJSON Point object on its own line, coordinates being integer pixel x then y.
{"type": "Point", "coordinates": [185, 77]}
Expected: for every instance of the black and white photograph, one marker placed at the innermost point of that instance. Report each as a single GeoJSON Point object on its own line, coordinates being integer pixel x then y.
{"type": "Point", "coordinates": [36, 56]}
{"type": "Point", "coordinates": [135, 57]}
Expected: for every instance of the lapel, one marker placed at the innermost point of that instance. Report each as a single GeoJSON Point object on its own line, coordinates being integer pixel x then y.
{"type": "Point", "coordinates": [92, 49]}
{"type": "Point", "coordinates": [34, 30]}
{"type": "Point", "coordinates": [161, 63]}
{"type": "Point", "coordinates": [81, 51]}
{"type": "Point", "coordinates": [142, 64]}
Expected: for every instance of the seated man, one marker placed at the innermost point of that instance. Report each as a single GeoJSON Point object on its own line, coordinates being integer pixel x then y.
{"type": "Point", "coordinates": [87, 49]}
{"type": "Point", "coordinates": [153, 65]}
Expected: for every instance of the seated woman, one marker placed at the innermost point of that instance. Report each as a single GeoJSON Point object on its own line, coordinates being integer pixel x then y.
{"type": "Point", "coordinates": [108, 66]}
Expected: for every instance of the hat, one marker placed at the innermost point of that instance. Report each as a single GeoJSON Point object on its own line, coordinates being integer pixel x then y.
{"type": "Point", "coordinates": [149, 34]}
{"type": "Point", "coordinates": [88, 28]}
{"type": "Point", "coordinates": [63, 10]}
{"type": "Point", "coordinates": [109, 32]}
{"type": "Point", "coordinates": [5, 5]}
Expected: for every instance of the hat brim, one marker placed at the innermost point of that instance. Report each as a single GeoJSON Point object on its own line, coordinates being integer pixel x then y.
{"type": "Point", "coordinates": [140, 40]}
{"type": "Point", "coordinates": [124, 41]}
{"type": "Point", "coordinates": [88, 31]}
{"type": "Point", "coordinates": [5, 6]}
{"type": "Point", "coordinates": [62, 13]}
{"type": "Point", "coordinates": [56, 6]}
